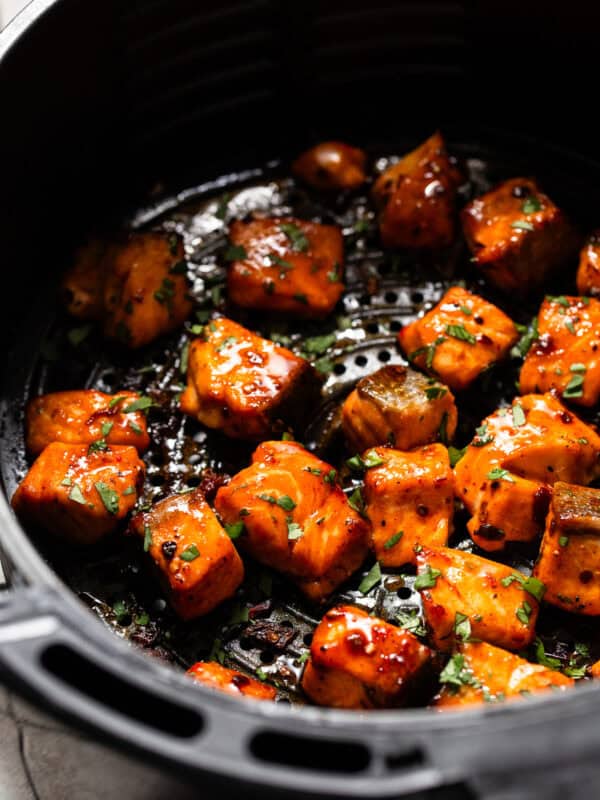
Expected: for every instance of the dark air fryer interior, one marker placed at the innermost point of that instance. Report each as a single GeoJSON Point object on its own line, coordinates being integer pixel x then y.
{"type": "Point", "coordinates": [102, 101]}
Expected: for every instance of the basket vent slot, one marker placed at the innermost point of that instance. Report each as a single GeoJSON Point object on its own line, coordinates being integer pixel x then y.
{"type": "Point", "coordinates": [110, 690]}
{"type": "Point", "coordinates": [321, 755]}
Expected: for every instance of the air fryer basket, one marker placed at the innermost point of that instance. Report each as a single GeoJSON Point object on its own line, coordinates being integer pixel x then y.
{"type": "Point", "coordinates": [166, 92]}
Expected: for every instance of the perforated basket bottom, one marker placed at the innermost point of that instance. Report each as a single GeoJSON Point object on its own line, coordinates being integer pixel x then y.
{"type": "Point", "coordinates": [267, 629]}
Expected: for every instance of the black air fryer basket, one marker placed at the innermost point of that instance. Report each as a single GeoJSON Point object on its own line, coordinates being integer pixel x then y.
{"type": "Point", "coordinates": [147, 113]}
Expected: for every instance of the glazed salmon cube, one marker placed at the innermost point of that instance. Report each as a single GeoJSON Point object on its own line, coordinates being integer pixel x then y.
{"type": "Point", "coordinates": [588, 272]}
{"type": "Point", "coordinates": [145, 291]}
{"type": "Point", "coordinates": [459, 338]}
{"type": "Point", "coordinates": [569, 559]}
{"type": "Point", "coordinates": [78, 494]}
{"type": "Point", "coordinates": [244, 385]}
{"type": "Point", "coordinates": [83, 283]}
{"type": "Point", "coordinates": [286, 265]}
{"type": "Point", "coordinates": [481, 673]}
{"type": "Point", "coordinates": [465, 596]}
{"type": "Point", "coordinates": [398, 406]}
{"type": "Point", "coordinates": [85, 416]}
{"type": "Point", "coordinates": [418, 197]}
{"type": "Point", "coordinates": [409, 499]}
{"type": "Point", "coordinates": [195, 559]}
{"type": "Point", "coordinates": [595, 670]}
{"type": "Point", "coordinates": [294, 517]}
{"type": "Point", "coordinates": [359, 661]}
{"type": "Point", "coordinates": [566, 355]}
{"type": "Point", "coordinates": [505, 477]}
{"type": "Point", "coordinates": [230, 681]}
{"type": "Point", "coordinates": [331, 166]}
{"type": "Point", "coordinates": [517, 235]}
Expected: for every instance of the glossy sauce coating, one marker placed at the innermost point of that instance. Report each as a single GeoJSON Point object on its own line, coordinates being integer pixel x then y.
{"type": "Point", "coordinates": [80, 495]}
{"type": "Point", "coordinates": [459, 338]}
{"type": "Point", "coordinates": [331, 166]}
{"type": "Point", "coordinates": [398, 406]}
{"type": "Point", "coordinates": [197, 561]}
{"type": "Point", "coordinates": [290, 266]}
{"type": "Point", "coordinates": [239, 382]}
{"type": "Point", "coordinates": [566, 354]}
{"type": "Point", "coordinates": [359, 661]}
{"type": "Point", "coordinates": [146, 292]}
{"type": "Point", "coordinates": [296, 517]}
{"type": "Point", "coordinates": [83, 283]}
{"type": "Point", "coordinates": [85, 416]}
{"type": "Point", "coordinates": [409, 501]}
{"type": "Point", "coordinates": [588, 272]}
{"type": "Point", "coordinates": [418, 196]}
{"type": "Point", "coordinates": [517, 235]}
{"type": "Point", "coordinates": [505, 476]}
{"type": "Point", "coordinates": [499, 613]}
{"type": "Point", "coordinates": [569, 559]}
{"type": "Point", "coordinates": [497, 675]}
{"type": "Point", "coordinates": [230, 681]}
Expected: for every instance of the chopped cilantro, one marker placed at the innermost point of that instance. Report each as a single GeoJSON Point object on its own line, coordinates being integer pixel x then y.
{"type": "Point", "coordinates": [235, 252]}
{"type": "Point", "coordinates": [393, 540]}
{"type": "Point", "coordinates": [522, 225]}
{"type": "Point", "coordinates": [280, 262]}
{"type": "Point", "coordinates": [462, 626]}
{"type": "Point", "coordinates": [574, 388]}
{"type": "Point", "coordinates": [317, 345]}
{"type": "Point", "coordinates": [184, 358]}
{"type": "Point", "coordinates": [569, 326]}
{"type": "Point", "coordinates": [190, 553]}
{"type": "Point", "coordinates": [427, 578]}
{"type": "Point", "coordinates": [455, 454]}
{"type": "Point", "coordinates": [482, 437]}
{"type": "Point", "coordinates": [147, 538]}
{"type": "Point", "coordinates": [411, 622]}
{"type": "Point", "coordinates": [76, 495]}
{"type": "Point", "coordinates": [323, 365]}
{"type": "Point", "coordinates": [135, 428]}
{"type": "Point", "coordinates": [498, 474]}
{"type": "Point", "coordinates": [542, 658]}
{"type": "Point", "coordinates": [531, 205]}
{"type": "Point", "coordinates": [523, 612]}
{"type": "Point", "coordinates": [129, 490]}
{"type": "Point", "coordinates": [234, 529]}
{"type": "Point", "coordinates": [108, 496]}
{"type": "Point", "coordinates": [77, 335]}
{"type": "Point", "coordinates": [142, 619]}
{"type": "Point", "coordinates": [518, 415]}
{"type": "Point", "coordinates": [563, 541]}
{"type": "Point", "coordinates": [107, 428]}
{"type": "Point", "coordinates": [529, 336]}
{"type": "Point", "coordinates": [141, 404]}
{"type": "Point", "coordinates": [294, 530]}
{"type": "Point", "coordinates": [443, 431]}
{"type": "Point", "coordinates": [296, 236]}
{"type": "Point", "coordinates": [371, 579]}
{"type": "Point", "coordinates": [455, 674]}
{"type": "Point", "coordinates": [356, 501]}
{"type": "Point", "coordinates": [435, 392]}
{"type": "Point", "coordinates": [461, 333]}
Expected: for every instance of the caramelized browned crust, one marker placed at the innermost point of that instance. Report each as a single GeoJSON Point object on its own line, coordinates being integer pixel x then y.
{"type": "Point", "coordinates": [459, 338]}
{"type": "Point", "coordinates": [505, 476]}
{"type": "Point", "coordinates": [80, 495]}
{"type": "Point", "coordinates": [359, 661]}
{"type": "Point", "coordinates": [564, 357]}
{"type": "Point", "coordinates": [517, 235]}
{"type": "Point", "coordinates": [195, 558]}
{"type": "Point", "coordinates": [398, 406]}
{"type": "Point", "coordinates": [244, 385]}
{"type": "Point", "coordinates": [456, 585]}
{"type": "Point", "coordinates": [295, 517]}
{"type": "Point", "coordinates": [286, 265]}
{"type": "Point", "coordinates": [230, 681]}
{"type": "Point", "coordinates": [85, 416]}
{"type": "Point", "coordinates": [331, 166]}
{"type": "Point", "coordinates": [417, 196]}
